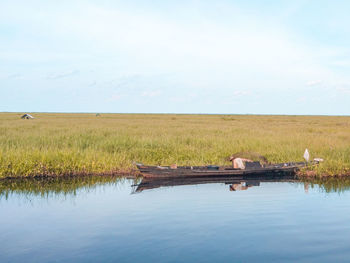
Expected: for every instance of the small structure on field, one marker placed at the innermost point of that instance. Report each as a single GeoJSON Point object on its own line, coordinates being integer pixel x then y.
{"type": "Point", "coordinates": [98, 115]}
{"type": "Point", "coordinates": [27, 116]}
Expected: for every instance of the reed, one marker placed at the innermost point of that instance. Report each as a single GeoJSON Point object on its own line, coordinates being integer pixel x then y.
{"type": "Point", "coordinates": [61, 144]}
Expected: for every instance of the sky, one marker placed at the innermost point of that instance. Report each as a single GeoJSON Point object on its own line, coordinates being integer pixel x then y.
{"type": "Point", "coordinates": [226, 57]}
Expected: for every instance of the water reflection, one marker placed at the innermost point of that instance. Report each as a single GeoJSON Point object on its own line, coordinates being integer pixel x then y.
{"type": "Point", "coordinates": [243, 185]}
{"type": "Point", "coordinates": [234, 184]}
{"type": "Point", "coordinates": [67, 185]}
{"type": "Point", "coordinates": [327, 185]}
{"type": "Point", "coordinates": [56, 186]}
{"type": "Point", "coordinates": [97, 219]}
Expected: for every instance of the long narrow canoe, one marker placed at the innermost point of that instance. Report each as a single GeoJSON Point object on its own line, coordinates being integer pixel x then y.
{"type": "Point", "coordinates": [218, 171]}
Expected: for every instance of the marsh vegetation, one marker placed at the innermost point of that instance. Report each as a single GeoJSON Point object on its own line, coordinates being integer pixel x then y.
{"type": "Point", "coordinates": [76, 144]}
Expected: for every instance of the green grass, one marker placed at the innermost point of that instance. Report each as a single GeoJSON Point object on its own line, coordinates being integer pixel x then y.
{"type": "Point", "coordinates": [58, 144]}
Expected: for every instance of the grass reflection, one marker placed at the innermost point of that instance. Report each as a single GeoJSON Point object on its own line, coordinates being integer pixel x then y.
{"type": "Point", "coordinates": [54, 186]}
{"type": "Point", "coordinates": [47, 187]}
{"type": "Point", "coordinates": [329, 184]}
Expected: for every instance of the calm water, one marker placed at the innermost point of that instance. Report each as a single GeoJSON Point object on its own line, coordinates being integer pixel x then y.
{"type": "Point", "coordinates": [102, 220]}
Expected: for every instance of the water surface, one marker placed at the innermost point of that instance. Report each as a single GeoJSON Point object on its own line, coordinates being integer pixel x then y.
{"type": "Point", "coordinates": [104, 219]}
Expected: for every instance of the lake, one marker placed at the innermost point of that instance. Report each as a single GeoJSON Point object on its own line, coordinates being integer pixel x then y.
{"type": "Point", "coordinates": [109, 219]}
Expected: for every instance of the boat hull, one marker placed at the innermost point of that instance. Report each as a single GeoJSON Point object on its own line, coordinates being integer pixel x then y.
{"type": "Point", "coordinates": [185, 172]}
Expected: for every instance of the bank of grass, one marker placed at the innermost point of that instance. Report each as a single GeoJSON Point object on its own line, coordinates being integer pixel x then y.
{"type": "Point", "coordinates": [61, 144]}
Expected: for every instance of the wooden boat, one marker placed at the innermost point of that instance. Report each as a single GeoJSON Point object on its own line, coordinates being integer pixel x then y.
{"type": "Point", "coordinates": [251, 169]}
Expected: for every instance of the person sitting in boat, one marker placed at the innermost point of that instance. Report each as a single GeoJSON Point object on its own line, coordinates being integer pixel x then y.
{"type": "Point", "coordinates": [173, 166]}
{"type": "Point", "coordinates": [240, 159]}
{"type": "Point", "coordinates": [239, 163]}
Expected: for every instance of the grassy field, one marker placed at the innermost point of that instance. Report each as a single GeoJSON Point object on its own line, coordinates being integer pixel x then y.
{"type": "Point", "coordinates": [58, 144]}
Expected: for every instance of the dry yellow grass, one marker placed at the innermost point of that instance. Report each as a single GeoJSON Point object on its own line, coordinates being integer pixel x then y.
{"type": "Point", "coordinates": [57, 144]}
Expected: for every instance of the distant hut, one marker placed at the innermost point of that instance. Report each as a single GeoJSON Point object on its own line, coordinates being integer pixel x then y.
{"type": "Point", "coordinates": [27, 116]}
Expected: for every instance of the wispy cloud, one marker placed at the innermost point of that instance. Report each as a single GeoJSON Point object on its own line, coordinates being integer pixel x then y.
{"type": "Point", "coordinates": [345, 89]}
{"type": "Point", "coordinates": [93, 83]}
{"type": "Point", "coordinates": [151, 93]}
{"type": "Point", "coordinates": [224, 52]}
{"type": "Point", "coordinates": [313, 83]}
{"type": "Point", "coordinates": [15, 76]}
{"type": "Point", "coordinates": [115, 97]}
{"type": "Point", "coordinates": [62, 75]}
{"type": "Point", "coordinates": [240, 93]}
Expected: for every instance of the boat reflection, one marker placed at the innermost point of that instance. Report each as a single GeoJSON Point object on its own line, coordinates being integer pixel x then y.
{"type": "Point", "coordinates": [234, 184]}
{"type": "Point", "coordinates": [64, 186]}
{"type": "Point", "coordinates": [243, 185]}
{"type": "Point", "coordinates": [328, 185]}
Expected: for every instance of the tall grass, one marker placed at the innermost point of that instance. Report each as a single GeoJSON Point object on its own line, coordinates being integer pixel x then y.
{"type": "Point", "coordinates": [58, 144]}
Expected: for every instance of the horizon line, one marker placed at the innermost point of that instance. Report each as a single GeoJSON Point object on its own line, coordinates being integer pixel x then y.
{"type": "Point", "coordinates": [174, 113]}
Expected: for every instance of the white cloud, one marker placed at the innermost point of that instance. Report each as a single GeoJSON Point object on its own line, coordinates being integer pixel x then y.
{"type": "Point", "coordinates": [93, 83]}
{"type": "Point", "coordinates": [115, 97]}
{"type": "Point", "coordinates": [151, 94]}
{"type": "Point", "coordinates": [343, 89]}
{"type": "Point", "coordinates": [239, 93]}
{"type": "Point", "coordinates": [62, 75]}
{"type": "Point", "coordinates": [151, 41]}
{"type": "Point", "coordinates": [134, 52]}
{"type": "Point", "coordinates": [302, 99]}
{"type": "Point", "coordinates": [15, 76]}
{"type": "Point", "coordinates": [313, 83]}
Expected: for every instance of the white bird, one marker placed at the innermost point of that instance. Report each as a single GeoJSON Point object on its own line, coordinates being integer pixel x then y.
{"type": "Point", "coordinates": [306, 155]}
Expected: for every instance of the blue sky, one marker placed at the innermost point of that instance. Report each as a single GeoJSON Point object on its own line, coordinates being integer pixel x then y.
{"type": "Point", "coordinates": [257, 57]}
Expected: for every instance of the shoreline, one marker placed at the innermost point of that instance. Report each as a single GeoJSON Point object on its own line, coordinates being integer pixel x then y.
{"type": "Point", "coordinates": [130, 174]}
{"type": "Point", "coordinates": [134, 173]}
